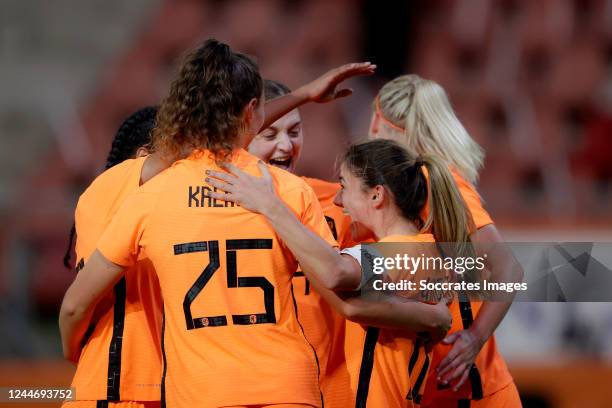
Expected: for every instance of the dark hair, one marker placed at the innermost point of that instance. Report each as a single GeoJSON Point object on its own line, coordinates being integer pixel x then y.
{"type": "Point", "coordinates": [273, 89]}
{"type": "Point", "coordinates": [384, 162]}
{"type": "Point", "coordinates": [134, 132]}
{"type": "Point", "coordinates": [204, 106]}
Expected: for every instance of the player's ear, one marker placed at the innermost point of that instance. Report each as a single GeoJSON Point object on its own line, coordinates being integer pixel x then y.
{"type": "Point", "coordinates": [141, 152]}
{"type": "Point", "coordinates": [378, 196]}
{"type": "Point", "coordinates": [249, 110]}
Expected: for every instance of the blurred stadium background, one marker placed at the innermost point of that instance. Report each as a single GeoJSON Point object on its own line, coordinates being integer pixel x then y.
{"type": "Point", "coordinates": [531, 80]}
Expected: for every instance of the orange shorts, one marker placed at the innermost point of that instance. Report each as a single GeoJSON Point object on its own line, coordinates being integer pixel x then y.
{"type": "Point", "coordinates": [120, 404]}
{"type": "Point", "coordinates": [507, 397]}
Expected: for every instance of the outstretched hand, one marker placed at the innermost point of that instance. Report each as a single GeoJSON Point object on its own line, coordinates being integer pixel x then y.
{"type": "Point", "coordinates": [253, 193]}
{"type": "Point", "coordinates": [325, 88]}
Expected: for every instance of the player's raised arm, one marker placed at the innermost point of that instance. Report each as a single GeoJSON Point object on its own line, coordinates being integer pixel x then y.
{"type": "Point", "coordinates": [92, 282]}
{"type": "Point", "coordinates": [323, 89]}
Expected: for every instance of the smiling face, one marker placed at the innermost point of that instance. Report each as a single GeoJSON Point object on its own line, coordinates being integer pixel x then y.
{"type": "Point", "coordinates": [281, 143]}
{"type": "Point", "coordinates": [357, 203]}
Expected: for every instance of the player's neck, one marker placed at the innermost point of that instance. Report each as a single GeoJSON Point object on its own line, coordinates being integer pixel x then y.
{"type": "Point", "coordinates": [153, 165]}
{"type": "Point", "coordinates": [394, 224]}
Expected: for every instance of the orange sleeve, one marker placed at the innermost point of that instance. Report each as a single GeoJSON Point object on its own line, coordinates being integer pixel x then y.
{"type": "Point", "coordinates": [120, 243]}
{"type": "Point", "coordinates": [474, 203]}
{"type": "Point", "coordinates": [313, 217]}
{"type": "Point", "coordinates": [86, 237]}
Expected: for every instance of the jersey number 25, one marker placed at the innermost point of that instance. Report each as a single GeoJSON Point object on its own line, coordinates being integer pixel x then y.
{"type": "Point", "coordinates": [233, 281]}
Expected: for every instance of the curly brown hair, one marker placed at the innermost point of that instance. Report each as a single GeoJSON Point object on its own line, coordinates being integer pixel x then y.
{"type": "Point", "coordinates": [203, 110]}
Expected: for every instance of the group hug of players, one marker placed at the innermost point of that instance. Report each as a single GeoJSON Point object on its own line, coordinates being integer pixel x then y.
{"type": "Point", "coordinates": [188, 244]}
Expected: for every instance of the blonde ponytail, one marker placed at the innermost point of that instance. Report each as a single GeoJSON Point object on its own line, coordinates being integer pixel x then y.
{"type": "Point", "coordinates": [448, 218]}
{"type": "Point", "coordinates": [421, 108]}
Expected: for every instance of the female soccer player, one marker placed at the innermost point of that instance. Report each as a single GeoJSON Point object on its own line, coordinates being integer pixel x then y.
{"type": "Point", "coordinates": [280, 145]}
{"type": "Point", "coordinates": [130, 142]}
{"type": "Point", "coordinates": [416, 113]}
{"type": "Point", "coordinates": [230, 337]}
{"type": "Point", "coordinates": [128, 322]}
{"type": "Point", "coordinates": [383, 189]}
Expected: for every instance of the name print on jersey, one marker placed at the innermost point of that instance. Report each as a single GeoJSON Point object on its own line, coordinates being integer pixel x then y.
{"type": "Point", "coordinates": [198, 198]}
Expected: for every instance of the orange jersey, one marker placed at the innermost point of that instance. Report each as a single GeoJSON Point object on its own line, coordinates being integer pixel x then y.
{"type": "Point", "coordinates": [492, 373]}
{"type": "Point", "coordinates": [121, 360]}
{"type": "Point", "coordinates": [471, 198]}
{"type": "Point", "coordinates": [322, 324]}
{"type": "Point", "coordinates": [382, 367]}
{"type": "Point", "coordinates": [472, 201]}
{"type": "Point", "coordinates": [231, 336]}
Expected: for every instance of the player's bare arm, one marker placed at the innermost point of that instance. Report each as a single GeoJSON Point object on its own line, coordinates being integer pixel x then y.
{"type": "Point", "coordinates": [323, 89]}
{"type": "Point", "coordinates": [392, 312]}
{"type": "Point", "coordinates": [467, 343]}
{"type": "Point", "coordinates": [316, 257]}
{"type": "Point", "coordinates": [90, 285]}
{"type": "Point", "coordinates": [329, 270]}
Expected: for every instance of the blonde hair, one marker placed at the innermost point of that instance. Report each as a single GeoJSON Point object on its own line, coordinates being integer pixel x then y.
{"type": "Point", "coordinates": [449, 218]}
{"type": "Point", "coordinates": [422, 110]}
